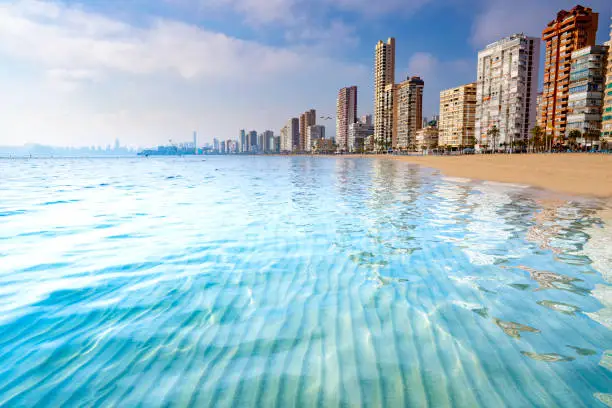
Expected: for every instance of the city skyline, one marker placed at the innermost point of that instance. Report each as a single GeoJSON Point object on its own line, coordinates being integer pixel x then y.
{"type": "Point", "coordinates": [146, 91]}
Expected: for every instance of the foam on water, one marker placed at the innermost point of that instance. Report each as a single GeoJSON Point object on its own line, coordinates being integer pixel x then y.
{"type": "Point", "coordinates": [277, 282]}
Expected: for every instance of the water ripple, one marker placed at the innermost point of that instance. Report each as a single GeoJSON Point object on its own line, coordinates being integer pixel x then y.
{"type": "Point", "coordinates": [248, 281]}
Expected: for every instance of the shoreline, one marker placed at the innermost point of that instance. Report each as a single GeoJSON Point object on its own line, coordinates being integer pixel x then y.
{"type": "Point", "coordinates": [581, 174]}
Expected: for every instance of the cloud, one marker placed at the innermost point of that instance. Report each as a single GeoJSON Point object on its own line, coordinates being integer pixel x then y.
{"type": "Point", "coordinates": [500, 18]}
{"type": "Point", "coordinates": [70, 39]}
{"type": "Point", "coordinates": [438, 75]}
{"type": "Point", "coordinates": [74, 77]}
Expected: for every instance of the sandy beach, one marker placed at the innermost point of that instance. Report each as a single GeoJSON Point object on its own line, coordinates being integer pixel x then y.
{"type": "Point", "coordinates": [576, 174]}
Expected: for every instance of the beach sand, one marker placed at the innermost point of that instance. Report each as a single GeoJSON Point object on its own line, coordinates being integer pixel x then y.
{"type": "Point", "coordinates": [575, 174]}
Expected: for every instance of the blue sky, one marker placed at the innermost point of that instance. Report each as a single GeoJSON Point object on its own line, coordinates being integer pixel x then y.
{"type": "Point", "coordinates": [87, 72]}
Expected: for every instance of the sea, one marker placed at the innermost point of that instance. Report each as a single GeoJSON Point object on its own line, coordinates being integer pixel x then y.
{"type": "Point", "coordinates": [297, 282]}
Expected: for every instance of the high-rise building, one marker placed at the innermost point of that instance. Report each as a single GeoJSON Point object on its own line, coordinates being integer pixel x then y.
{"type": "Point", "coordinates": [586, 91]}
{"type": "Point", "coordinates": [252, 141]}
{"type": "Point", "coordinates": [222, 147]}
{"type": "Point", "coordinates": [408, 116]}
{"type": "Point", "coordinates": [346, 114]}
{"type": "Point", "coordinates": [506, 90]}
{"type": "Point", "coordinates": [384, 80]}
{"type": "Point", "coordinates": [606, 123]}
{"type": "Point", "coordinates": [308, 118]}
{"type": "Point", "coordinates": [267, 143]}
{"type": "Point", "coordinates": [457, 116]}
{"type": "Point", "coordinates": [570, 31]}
{"type": "Point", "coordinates": [358, 132]}
{"type": "Point", "coordinates": [290, 136]}
{"type": "Point", "coordinates": [243, 141]}
{"type": "Point", "coordinates": [216, 147]}
{"type": "Point", "coordinates": [313, 132]}
{"type": "Point", "coordinates": [277, 144]}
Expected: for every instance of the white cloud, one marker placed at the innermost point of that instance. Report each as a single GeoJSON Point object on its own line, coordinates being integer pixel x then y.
{"type": "Point", "coordinates": [64, 38]}
{"type": "Point", "coordinates": [499, 18]}
{"type": "Point", "coordinates": [73, 77]}
{"type": "Point", "coordinates": [438, 75]}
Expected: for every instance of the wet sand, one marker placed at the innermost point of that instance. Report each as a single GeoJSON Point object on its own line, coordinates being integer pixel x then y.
{"type": "Point", "coordinates": [576, 174]}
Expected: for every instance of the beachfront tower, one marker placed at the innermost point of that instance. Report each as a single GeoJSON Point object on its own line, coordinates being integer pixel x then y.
{"type": "Point", "coordinates": [346, 115]}
{"type": "Point", "coordinates": [457, 116]}
{"type": "Point", "coordinates": [408, 115]}
{"type": "Point", "coordinates": [570, 31]}
{"type": "Point", "coordinates": [586, 92]}
{"type": "Point", "coordinates": [506, 91]}
{"type": "Point", "coordinates": [384, 79]}
{"type": "Point", "coordinates": [308, 118]}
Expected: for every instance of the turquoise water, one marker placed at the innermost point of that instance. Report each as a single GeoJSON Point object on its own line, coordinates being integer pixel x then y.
{"type": "Point", "coordinates": [279, 282]}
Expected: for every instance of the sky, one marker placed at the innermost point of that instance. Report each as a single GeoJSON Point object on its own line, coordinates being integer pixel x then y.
{"type": "Point", "coordinates": [82, 73]}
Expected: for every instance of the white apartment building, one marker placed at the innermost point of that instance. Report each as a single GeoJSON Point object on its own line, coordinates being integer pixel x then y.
{"type": "Point", "coordinates": [506, 90]}
{"type": "Point", "coordinates": [290, 136]}
{"type": "Point", "coordinates": [357, 134]}
{"type": "Point", "coordinates": [313, 132]}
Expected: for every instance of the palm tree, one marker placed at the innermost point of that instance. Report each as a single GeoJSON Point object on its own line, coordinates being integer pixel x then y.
{"type": "Point", "coordinates": [573, 136]}
{"type": "Point", "coordinates": [493, 133]}
{"type": "Point", "coordinates": [593, 136]}
{"type": "Point", "coordinates": [537, 133]}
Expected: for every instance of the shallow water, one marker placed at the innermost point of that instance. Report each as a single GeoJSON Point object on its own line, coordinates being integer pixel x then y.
{"type": "Point", "coordinates": [296, 282]}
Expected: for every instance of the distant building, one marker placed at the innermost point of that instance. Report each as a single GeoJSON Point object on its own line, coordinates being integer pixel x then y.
{"type": "Point", "coordinates": [314, 132]}
{"type": "Point", "coordinates": [261, 142]}
{"type": "Point", "coordinates": [252, 141]}
{"type": "Point", "coordinates": [346, 115]}
{"type": "Point", "coordinates": [216, 146]}
{"type": "Point", "coordinates": [222, 147]}
{"type": "Point", "coordinates": [369, 143]}
{"type": "Point", "coordinates": [290, 136]}
{"type": "Point", "coordinates": [322, 145]}
{"type": "Point", "coordinates": [568, 32]}
{"type": "Point", "coordinates": [586, 92]}
{"type": "Point", "coordinates": [366, 120]}
{"type": "Point", "coordinates": [408, 112]}
{"type": "Point", "coordinates": [243, 141]}
{"type": "Point", "coordinates": [358, 132]}
{"type": "Point", "coordinates": [308, 118]}
{"type": "Point", "coordinates": [427, 138]}
{"type": "Point", "coordinates": [506, 90]}
{"type": "Point", "coordinates": [277, 144]}
{"type": "Point", "coordinates": [384, 79]}
{"type": "Point", "coordinates": [267, 144]}
{"type": "Point", "coordinates": [457, 116]}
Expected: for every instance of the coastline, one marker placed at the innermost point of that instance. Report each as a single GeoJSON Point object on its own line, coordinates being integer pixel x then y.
{"type": "Point", "coordinates": [581, 174]}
